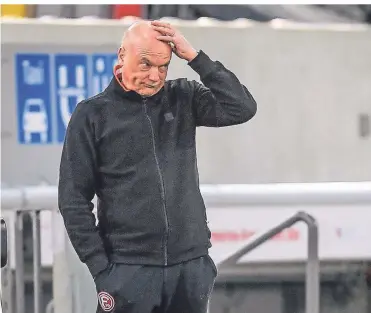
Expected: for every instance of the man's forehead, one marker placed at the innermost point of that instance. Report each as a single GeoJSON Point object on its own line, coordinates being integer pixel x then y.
{"type": "Point", "coordinates": [154, 52]}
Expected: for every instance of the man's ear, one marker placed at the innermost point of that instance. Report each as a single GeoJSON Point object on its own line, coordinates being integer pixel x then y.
{"type": "Point", "coordinates": [121, 55]}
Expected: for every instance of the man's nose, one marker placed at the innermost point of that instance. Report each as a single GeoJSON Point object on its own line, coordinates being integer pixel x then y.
{"type": "Point", "coordinates": [154, 75]}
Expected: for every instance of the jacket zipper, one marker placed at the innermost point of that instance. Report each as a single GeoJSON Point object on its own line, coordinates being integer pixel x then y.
{"type": "Point", "coordinates": [161, 178]}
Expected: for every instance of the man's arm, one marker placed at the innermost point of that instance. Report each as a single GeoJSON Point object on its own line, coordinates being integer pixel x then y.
{"type": "Point", "coordinates": [222, 100]}
{"type": "Point", "coordinates": [76, 190]}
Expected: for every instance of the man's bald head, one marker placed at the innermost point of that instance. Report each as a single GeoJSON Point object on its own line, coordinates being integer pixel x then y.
{"type": "Point", "coordinates": [139, 31]}
{"type": "Point", "coordinates": [143, 58]}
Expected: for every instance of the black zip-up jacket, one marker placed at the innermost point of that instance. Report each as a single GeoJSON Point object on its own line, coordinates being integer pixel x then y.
{"type": "Point", "coordinates": [138, 155]}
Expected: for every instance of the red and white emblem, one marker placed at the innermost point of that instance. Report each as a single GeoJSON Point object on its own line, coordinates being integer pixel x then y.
{"type": "Point", "coordinates": [106, 301]}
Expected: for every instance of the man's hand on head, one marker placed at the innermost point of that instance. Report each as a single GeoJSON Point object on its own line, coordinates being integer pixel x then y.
{"type": "Point", "coordinates": [181, 47]}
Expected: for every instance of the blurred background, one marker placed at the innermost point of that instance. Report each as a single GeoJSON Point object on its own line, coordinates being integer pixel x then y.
{"type": "Point", "coordinates": [307, 150]}
{"type": "Point", "coordinates": [262, 13]}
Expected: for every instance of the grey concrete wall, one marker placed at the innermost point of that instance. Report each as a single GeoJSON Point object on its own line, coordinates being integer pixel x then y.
{"type": "Point", "coordinates": [311, 85]}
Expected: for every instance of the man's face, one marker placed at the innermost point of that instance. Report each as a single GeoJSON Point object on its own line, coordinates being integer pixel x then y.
{"type": "Point", "coordinates": [145, 66]}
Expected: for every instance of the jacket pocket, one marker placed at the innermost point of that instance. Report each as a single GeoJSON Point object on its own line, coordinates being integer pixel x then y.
{"type": "Point", "coordinates": [104, 275]}
{"type": "Point", "coordinates": [121, 287]}
{"type": "Point", "coordinates": [116, 277]}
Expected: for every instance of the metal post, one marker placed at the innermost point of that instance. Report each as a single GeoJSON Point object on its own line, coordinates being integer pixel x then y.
{"type": "Point", "coordinates": [6, 271]}
{"type": "Point", "coordinates": [7, 301]}
{"type": "Point", "coordinates": [6, 290]}
{"type": "Point", "coordinates": [312, 284]}
{"type": "Point", "coordinates": [19, 263]}
{"type": "Point", "coordinates": [36, 260]}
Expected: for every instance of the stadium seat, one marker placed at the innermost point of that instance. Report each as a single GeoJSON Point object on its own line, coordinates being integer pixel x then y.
{"type": "Point", "coordinates": [101, 11]}
{"type": "Point", "coordinates": [14, 10]}
{"type": "Point", "coordinates": [122, 10]}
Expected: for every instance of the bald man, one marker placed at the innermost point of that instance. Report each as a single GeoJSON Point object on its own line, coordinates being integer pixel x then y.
{"type": "Point", "coordinates": [133, 145]}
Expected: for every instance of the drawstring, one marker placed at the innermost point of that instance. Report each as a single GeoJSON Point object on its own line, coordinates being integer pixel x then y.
{"type": "Point", "coordinates": [117, 72]}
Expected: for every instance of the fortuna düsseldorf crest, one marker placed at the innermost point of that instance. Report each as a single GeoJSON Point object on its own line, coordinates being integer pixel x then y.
{"type": "Point", "coordinates": [106, 301]}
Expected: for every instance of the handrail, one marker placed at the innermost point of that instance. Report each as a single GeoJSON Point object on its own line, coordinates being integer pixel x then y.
{"type": "Point", "coordinates": [312, 284]}
{"type": "Point", "coordinates": [30, 197]}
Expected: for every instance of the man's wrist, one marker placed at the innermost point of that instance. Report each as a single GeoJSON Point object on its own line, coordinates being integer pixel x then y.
{"type": "Point", "coordinates": [191, 56]}
{"type": "Point", "coordinates": [202, 64]}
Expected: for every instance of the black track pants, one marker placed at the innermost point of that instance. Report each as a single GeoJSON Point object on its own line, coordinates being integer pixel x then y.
{"type": "Point", "coordinates": [184, 287]}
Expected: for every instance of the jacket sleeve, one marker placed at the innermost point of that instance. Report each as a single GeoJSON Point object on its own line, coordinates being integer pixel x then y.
{"type": "Point", "coordinates": [76, 190]}
{"type": "Point", "coordinates": [222, 100]}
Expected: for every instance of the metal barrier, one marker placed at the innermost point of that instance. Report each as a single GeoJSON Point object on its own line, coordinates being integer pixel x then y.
{"type": "Point", "coordinates": [30, 201]}
{"type": "Point", "coordinates": [312, 286]}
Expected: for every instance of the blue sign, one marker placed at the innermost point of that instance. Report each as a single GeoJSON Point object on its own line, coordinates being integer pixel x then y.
{"type": "Point", "coordinates": [45, 108]}
{"type": "Point", "coordinates": [102, 69]}
{"type": "Point", "coordinates": [33, 98]}
{"type": "Point", "coordinates": [71, 79]}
